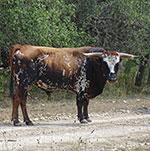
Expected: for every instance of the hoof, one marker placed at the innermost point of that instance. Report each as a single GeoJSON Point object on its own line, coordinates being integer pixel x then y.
{"type": "Point", "coordinates": [84, 121]}
{"type": "Point", "coordinates": [88, 120]}
{"type": "Point", "coordinates": [29, 123]}
{"type": "Point", "coordinates": [16, 123]}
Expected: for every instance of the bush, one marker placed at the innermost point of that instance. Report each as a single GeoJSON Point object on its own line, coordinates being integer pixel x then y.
{"type": "Point", "coordinates": [35, 22]}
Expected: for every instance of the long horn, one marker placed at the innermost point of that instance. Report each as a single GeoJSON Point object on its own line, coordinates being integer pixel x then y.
{"type": "Point", "coordinates": [93, 54]}
{"type": "Point", "coordinates": [128, 56]}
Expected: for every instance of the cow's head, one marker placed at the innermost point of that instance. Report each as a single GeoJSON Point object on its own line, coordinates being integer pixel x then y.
{"type": "Point", "coordinates": [110, 61]}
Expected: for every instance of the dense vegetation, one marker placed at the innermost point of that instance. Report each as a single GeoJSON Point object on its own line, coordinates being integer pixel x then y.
{"type": "Point", "coordinates": [121, 25]}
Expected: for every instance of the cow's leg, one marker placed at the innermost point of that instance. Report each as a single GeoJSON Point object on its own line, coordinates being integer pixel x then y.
{"type": "Point", "coordinates": [80, 103]}
{"type": "Point", "coordinates": [85, 110]}
{"type": "Point", "coordinates": [24, 110]}
{"type": "Point", "coordinates": [16, 102]}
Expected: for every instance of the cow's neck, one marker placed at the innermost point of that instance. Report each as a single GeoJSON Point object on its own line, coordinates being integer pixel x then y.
{"type": "Point", "coordinates": [96, 78]}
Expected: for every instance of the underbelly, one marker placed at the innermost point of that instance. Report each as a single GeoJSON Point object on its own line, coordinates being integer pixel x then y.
{"type": "Point", "coordinates": [49, 86]}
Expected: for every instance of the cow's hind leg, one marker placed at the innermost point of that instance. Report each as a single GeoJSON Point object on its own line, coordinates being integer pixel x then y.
{"type": "Point", "coordinates": [80, 103]}
{"type": "Point", "coordinates": [16, 102]}
{"type": "Point", "coordinates": [85, 110]}
{"type": "Point", "coordinates": [24, 110]}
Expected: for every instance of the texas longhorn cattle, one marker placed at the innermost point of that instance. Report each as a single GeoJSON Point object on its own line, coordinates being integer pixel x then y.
{"type": "Point", "coordinates": [83, 70]}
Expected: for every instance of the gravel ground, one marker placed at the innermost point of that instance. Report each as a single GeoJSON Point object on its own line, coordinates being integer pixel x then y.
{"type": "Point", "coordinates": [117, 125]}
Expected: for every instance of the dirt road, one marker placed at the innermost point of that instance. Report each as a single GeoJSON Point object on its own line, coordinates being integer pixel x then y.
{"type": "Point", "coordinates": [118, 125]}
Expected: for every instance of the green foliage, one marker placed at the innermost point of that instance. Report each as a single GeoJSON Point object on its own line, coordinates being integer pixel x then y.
{"type": "Point", "coordinates": [4, 84]}
{"type": "Point", "coordinates": [137, 13]}
{"type": "Point", "coordinates": [35, 22]}
{"type": "Point", "coordinates": [121, 25]}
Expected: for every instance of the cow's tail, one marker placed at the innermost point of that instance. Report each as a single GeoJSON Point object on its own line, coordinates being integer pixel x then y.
{"type": "Point", "coordinates": [11, 88]}
{"type": "Point", "coordinates": [13, 50]}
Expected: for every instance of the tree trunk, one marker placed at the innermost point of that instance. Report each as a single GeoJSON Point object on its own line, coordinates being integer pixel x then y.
{"type": "Point", "coordinates": [140, 73]}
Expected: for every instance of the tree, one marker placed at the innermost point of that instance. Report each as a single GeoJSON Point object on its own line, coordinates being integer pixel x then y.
{"type": "Point", "coordinates": [37, 22]}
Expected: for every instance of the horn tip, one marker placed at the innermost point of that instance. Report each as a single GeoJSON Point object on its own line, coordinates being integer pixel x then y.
{"type": "Point", "coordinates": [136, 57]}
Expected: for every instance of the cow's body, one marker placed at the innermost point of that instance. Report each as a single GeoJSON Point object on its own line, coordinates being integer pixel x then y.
{"type": "Point", "coordinates": [64, 68]}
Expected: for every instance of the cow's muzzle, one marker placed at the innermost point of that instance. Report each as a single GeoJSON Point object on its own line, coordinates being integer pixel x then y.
{"type": "Point", "coordinates": [112, 78]}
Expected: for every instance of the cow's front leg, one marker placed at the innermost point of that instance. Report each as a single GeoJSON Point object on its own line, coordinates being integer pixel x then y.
{"type": "Point", "coordinates": [85, 110]}
{"type": "Point", "coordinates": [80, 103]}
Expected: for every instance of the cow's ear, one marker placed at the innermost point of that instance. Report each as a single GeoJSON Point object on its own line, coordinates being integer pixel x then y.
{"type": "Point", "coordinates": [128, 56]}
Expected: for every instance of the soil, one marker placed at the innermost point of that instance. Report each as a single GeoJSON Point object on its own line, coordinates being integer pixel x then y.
{"type": "Point", "coordinates": [117, 125]}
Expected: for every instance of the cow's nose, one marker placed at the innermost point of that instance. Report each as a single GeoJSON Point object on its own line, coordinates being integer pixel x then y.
{"type": "Point", "coordinates": [112, 77]}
